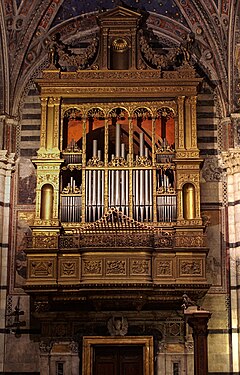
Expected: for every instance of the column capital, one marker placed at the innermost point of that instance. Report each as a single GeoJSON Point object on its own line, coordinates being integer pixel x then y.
{"type": "Point", "coordinates": [197, 320]}
{"type": "Point", "coordinates": [231, 160]}
{"type": "Point", "coordinates": [7, 160]}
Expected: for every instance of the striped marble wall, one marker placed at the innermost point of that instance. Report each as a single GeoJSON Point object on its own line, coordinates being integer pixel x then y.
{"type": "Point", "coordinates": [30, 124]}
{"type": "Point", "coordinates": [207, 125]}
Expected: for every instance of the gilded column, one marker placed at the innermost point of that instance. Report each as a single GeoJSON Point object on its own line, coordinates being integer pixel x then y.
{"type": "Point", "coordinates": [43, 135]}
{"type": "Point", "coordinates": [106, 177]}
{"type": "Point", "coordinates": [50, 124]}
{"type": "Point", "coordinates": [56, 123]}
{"type": "Point", "coordinates": [193, 106]}
{"type": "Point", "coordinates": [84, 171]}
{"type": "Point", "coordinates": [130, 170]}
{"type": "Point", "coordinates": [180, 138]}
{"type": "Point", "coordinates": [154, 173]}
{"type": "Point", "coordinates": [188, 124]}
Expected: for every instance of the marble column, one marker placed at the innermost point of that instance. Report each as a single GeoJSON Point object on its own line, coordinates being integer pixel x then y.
{"type": "Point", "coordinates": [6, 169]}
{"type": "Point", "coordinates": [198, 321]}
{"type": "Point", "coordinates": [231, 164]}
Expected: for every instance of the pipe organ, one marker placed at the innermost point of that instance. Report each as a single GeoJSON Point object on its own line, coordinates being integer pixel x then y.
{"type": "Point", "coordinates": [128, 165]}
{"type": "Point", "coordinates": [118, 172]}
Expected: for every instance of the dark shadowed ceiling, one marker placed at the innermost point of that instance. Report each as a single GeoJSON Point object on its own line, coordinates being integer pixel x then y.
{"type": "Point", "coordinates": [27, 27]}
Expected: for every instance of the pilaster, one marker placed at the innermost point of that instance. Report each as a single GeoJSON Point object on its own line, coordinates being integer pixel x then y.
{"type": "Point", "coordinates": [231, 164]}
{"type": "Point", "coordinates": [6, 169]}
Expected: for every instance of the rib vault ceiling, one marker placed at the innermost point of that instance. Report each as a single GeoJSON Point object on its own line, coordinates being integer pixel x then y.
{"type": "Point", "coordinates": [27, 27]}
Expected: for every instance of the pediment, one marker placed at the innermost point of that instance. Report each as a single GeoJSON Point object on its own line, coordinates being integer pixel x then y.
{"type": "Point", "coordinates": [118, 13]}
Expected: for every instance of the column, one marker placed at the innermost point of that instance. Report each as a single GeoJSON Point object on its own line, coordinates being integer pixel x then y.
{"type": "Point", "coordinates": [180, 135]}
{"type": "Point", "coordinates": [198, 321]}
{"type": "Point", "coordinates": [231, 163]}
{"type": "Point", "coordinates": [6, 169]}
{"type": "Point", "coordinates": [45, 356]}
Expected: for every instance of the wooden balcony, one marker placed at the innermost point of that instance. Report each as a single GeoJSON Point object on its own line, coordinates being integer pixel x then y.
{"type": "Point", "coordinates": [118, 262]}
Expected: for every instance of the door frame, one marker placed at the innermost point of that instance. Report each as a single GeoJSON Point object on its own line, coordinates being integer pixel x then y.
{"type": "Point", "coordinates": [90, 341]}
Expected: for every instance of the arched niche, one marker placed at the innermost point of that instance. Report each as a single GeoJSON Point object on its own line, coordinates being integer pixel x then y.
{"type": "Point", "coordinates": [189, 201]}
{"type": "Point", "coordinates": [46, 211]}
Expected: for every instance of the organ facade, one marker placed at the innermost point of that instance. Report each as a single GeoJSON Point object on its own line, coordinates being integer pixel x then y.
{"type": "Point", "coordinates": [117, 225]}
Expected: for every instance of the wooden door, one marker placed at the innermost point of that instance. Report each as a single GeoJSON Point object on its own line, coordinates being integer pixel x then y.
{"type": "Point", "coordinates": [118, 360]}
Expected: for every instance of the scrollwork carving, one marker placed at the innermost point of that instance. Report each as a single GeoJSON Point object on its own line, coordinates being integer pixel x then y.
{"type": "Point", "coordinates": [212, 171]}
{"type": "Point", "coordinates": [95, 162]}
{"type": "Point", "coordinates": [231, 161]}
{"type": "Point", "coordinates": [188, 267]}
{"type": "Point", "coordinates": [142, 161]}
{"type": "Point", "coordinates": [92, 267]}
{"type": "Point", "coordinates": [45, 242]}
{"type": "Point", "coordinates": [164, 268]}
{"type": "Point", "coordinates": [189, 241]}
{"type": "Point", "coordinates": [140, 267]}
{"type": "Point", "coordinates": [116, 267]}
{"type": "Point", "coordinates": [60, 51]}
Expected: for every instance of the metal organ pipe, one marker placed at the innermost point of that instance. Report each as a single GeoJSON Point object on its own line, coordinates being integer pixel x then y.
{"type": "Point", "coordinates": [118, 140]}
{"type": "Point", "coordinates": [94, 148]}
{"type": "Point", "coordinates": [123, 181]}
{"type": "Point", "coordinates": [146, 185]}
{"type": "Point", "coordinates": [99, 188]}
{"type": "Point", "coordinates": [117, 173]}
{"type": "Point", "coordinates": [142, 187]}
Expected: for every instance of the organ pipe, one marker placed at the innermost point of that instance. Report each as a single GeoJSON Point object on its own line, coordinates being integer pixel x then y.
{"type": "Point", "coordinates": [127, 183]}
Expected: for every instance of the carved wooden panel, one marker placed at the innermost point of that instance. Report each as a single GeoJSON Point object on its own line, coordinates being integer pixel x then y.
{"type": "Point", "coordinates": [69, 268]}
{"type": "Point", "coordinates": [193, 267]}
{"type": "Point", "coordinates": [42, 268]}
